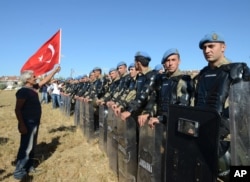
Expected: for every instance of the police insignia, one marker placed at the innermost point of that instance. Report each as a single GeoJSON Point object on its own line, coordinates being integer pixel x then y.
{"type": "Point", "coordinates": [214, 36]}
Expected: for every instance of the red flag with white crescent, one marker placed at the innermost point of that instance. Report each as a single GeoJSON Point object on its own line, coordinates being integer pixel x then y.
{"type": "Point", "coordinates": [46, 57]}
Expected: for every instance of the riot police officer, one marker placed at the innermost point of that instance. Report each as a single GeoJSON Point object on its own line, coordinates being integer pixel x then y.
{"type": "Point", "coordinates": [123, 84]}
{"type": "Point", "coordinates": [128, 94]}
{"type": "Point", "coordinates": [171, 87]}
{"type": "Point", "coordinates": [212, 91]}
{"type": "Point", "coordinates": [115, 80]}
{"type": "Point", "coordinates": [145, 79]}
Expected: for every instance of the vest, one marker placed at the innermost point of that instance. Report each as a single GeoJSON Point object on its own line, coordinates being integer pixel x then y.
{"type": "Point", "coordinates": [166, 89]}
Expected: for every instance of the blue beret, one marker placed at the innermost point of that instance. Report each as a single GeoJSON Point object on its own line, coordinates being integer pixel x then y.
{"type": "Point", "coordinates": [131, 66]}
{"type": "Point", "coordinates": [143, 54]}
{"type": "Point", "coordinates": [69, 78]}
{"type": "Point", "coordinates": [158, 67]}
{"type": "Point", "coordinates": [121, 63]}
{"type": "Point", "coordinates": [168, 53]}
{"type": "Point", "coordinates": [97, 68]}
{"type": "Point", "coordinates": [112, 69]}
{"type": "Point", "coordinates": [211, 37]}
{"type": "Point", "coordinates": [83, 76]}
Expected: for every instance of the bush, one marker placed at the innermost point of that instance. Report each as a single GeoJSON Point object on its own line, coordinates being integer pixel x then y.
{"type": "Point", "coordinates": [3, 86]}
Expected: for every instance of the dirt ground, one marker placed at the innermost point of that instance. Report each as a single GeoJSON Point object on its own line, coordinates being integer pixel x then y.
{"type": "Point", "coordinates": [62, 155]}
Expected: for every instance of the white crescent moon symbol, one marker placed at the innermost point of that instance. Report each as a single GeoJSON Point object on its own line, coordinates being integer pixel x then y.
{"type": "Point", "coordinates": [52, 51]}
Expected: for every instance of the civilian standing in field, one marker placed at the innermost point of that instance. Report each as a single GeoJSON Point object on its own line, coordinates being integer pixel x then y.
{"type": "Point", "coordinates": [28, 112]}
{"type": "Point", "coordinates": [55, 94]}
{"type": "Point", "coordinates": [44, 94]}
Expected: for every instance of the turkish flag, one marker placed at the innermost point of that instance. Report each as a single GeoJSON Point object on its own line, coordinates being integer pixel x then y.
{"type": "Point", "coordinates": [46, 57]}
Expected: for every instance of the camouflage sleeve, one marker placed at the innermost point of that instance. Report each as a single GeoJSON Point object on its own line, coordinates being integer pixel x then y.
{"type": "Point", "coordinates": [100, 88]}
{"type": "Point", "coordinates": [151, 107]}
{"type": "Point", "coordinates": [184, 91]}
{"type": "Point", "coordinates": [126, 99]}
{"type": "Point", "coordinates": [192, 99]}
{"type": "Point", "coordinates": [116, 96]}
{"type": "Point", "coordinates": [142, 98]}
{"type": "Point", "coordinates": [120, 96]}
{"type": "Point", "coordinates": [107, 97]}
{"type": "Point", "coordinates": [87, 92]}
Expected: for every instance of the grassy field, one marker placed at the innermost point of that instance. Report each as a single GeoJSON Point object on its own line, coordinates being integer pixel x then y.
{"type": "Point", "coordinates": [63, 154]}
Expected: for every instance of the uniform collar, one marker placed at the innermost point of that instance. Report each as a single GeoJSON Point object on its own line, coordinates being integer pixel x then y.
{"type": "Point", "coordinates": [223, 61]}
{"type": "Point", "coordinates": [118, 78]}
{"type": "Point", "coordinates": [176, 73]}
{"type": "Point", "coordinates": [125, 74]}
{"type": "Point", "coordinates": [146, 70]}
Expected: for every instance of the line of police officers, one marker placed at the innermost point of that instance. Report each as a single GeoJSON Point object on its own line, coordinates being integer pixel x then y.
{"type": "Point", "coordinates": [147, 96]}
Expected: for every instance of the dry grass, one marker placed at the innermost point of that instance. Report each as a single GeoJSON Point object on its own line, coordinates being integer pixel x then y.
{"type": "Point", "coordinates": [63, 154]}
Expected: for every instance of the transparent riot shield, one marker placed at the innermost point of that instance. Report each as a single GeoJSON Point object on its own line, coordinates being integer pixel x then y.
{"type": "Point", "coordinates": [151, 154]}
{"type": "Point", "coordinates": [127, 149]}
{"type": "Point", "coordinates": [82, 114]}
{"type": "Point", "coordinates": [72, 105]}
{"type": "Point", "coordinates": [239, 104]}
{"type": "Point", "coordinates": [103, 112]}
{"type": "Point", "coordinates": [86, 121]}
{"type": "Point", "coordinates": [67, 105]}
{"type": "Point", "coordinates": [192, 144]}
{"type": "Point", "coordinates": [77, 112]}
{"type": "Point", "coordinates": [85, 118]}
{"type": "Point", "coordinates": [62, 107]}
{"type": "Point", "coordinates": [65, 98]}
{"type": "Point", "coordinates": [89, 123]}
{"type": "Point", "coordinates": [112, 141]}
